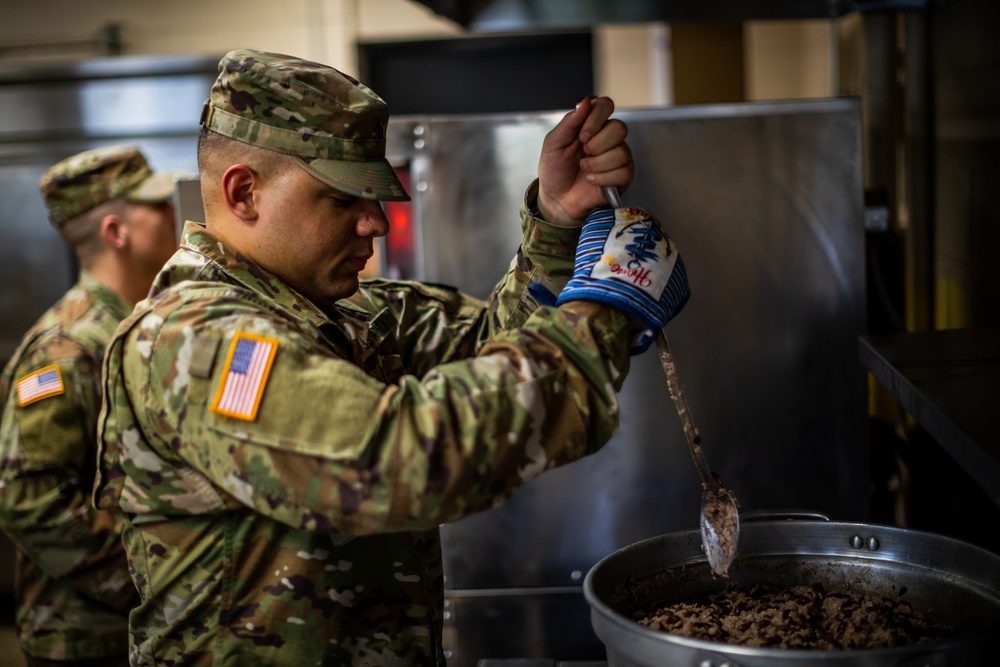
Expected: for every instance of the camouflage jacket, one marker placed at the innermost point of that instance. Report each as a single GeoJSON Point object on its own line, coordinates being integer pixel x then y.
{"type": "Point", "coordinates": [72, 582]}
{"type": "Point", "coordinates": [298, 525]}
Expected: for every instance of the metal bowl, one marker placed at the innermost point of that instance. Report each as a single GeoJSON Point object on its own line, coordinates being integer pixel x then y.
{"type": "Point", "coordinates": [952, 582]}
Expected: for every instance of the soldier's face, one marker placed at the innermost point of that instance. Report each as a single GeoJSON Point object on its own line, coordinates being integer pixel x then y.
{"type": "Point", "coordinates": [153, 236]}
{"type": "Point", "coordinates": [315, 238]}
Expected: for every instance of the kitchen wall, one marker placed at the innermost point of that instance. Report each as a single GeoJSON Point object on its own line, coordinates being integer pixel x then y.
{"type": "Point", "coordinates": [324, 30]}
{"type": "Point", "coordinates": [790, 59]}
{"type": "Point", "coordinates": [780, 59]}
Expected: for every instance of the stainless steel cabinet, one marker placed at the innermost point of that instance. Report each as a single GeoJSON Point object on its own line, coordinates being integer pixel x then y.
{"type": "Point", "coordinates": [765, 204]}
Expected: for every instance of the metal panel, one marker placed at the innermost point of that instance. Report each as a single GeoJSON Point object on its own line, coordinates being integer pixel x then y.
{"type": "Point", "coordinates": [36, 267]}
{"type": "Point", "coordinates": [112, 97]}
{"type": "Point", "coordinates": [510, 15]}
{"type": "Point", "coordinates": [52, 111]}
{"type": "Point", "coordinates": [765, 203]}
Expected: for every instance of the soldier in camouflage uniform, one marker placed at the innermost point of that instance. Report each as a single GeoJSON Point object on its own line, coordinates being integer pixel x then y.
{"type": "Point", "coordinates": [72, 582]}
{"type": "Point", "coordinates": [284, 440]}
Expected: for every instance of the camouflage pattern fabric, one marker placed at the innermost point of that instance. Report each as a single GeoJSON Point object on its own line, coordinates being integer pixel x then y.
{"type": "Point", "coordinates": [309, 534]}
{"type": "Point", "coordinates": [86, 180]}
{"type": "Point", "coordinates": [72, 581]}
{"type": "Point", "coordinates": [332, 122]}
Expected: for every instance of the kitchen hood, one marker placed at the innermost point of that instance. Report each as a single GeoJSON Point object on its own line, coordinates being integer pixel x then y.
{"type": "Point", "coordinates": [517, 15]}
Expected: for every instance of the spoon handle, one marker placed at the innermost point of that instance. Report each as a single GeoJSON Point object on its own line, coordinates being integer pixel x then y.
{"type": "Point", "coordinates": [611, 194]}
{"type": "Point", "coordinates": [684, 412]}
{"type": "Point", "coordinates": [708, 480]}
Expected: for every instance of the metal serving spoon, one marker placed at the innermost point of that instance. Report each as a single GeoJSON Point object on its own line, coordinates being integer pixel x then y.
{"type": "Point", "coordinates": [720, 517]}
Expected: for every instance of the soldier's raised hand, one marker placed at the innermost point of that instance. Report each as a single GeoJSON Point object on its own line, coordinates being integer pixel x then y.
{"type": "Point", "coordinates": [624, 260]}
{"type": "Point", "coordinates": [584, 152]}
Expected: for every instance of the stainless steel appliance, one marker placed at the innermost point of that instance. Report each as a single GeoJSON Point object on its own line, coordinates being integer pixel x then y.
{"type": "Point", "coordinates": [51, 111]}
{"type": "Point", "coordinates": [765, 204]}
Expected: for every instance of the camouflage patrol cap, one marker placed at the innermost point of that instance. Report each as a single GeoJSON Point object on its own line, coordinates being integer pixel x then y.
{"type": "Point", "coordinates": [86, 180]}
{"type": "Point", "coordinates": [335, 125]}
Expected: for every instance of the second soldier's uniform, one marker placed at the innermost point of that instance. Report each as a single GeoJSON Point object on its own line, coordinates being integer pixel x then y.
{"type": "Point", "coordinates": [72, 581]}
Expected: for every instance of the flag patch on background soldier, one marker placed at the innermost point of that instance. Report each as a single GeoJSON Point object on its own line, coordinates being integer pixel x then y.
{"type": "Point", "coordinates": [244, 376]}
{"type": "Point", "coordinates": [41, 384]}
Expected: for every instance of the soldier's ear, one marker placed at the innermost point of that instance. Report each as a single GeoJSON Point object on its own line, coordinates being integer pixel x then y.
{"type": "Point", "coordinates": [114, 231]}
{"type": "Point", "coordinates": [238, 188]}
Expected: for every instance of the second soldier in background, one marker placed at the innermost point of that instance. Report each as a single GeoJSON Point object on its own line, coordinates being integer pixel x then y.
{"type": "Point", "coordinates": [72, 583]}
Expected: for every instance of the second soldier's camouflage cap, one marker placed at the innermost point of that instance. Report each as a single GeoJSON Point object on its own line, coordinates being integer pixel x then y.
{"type": "Point", "coordinates": [86, 180]}
{"type": "Point", "coordinates": [335, 125]}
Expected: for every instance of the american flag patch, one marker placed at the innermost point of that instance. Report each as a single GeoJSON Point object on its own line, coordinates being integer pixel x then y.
{"type": "Point", "coordinates": [245, 374]}
{"type": "Point", "coordinates": [41, 384]}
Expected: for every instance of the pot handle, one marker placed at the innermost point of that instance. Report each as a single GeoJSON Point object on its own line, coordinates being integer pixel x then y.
{"type": "Point", "coordinates": [787, 515]}
{"type": "Point", "coordinates": [714, 660]}
{"type": "Point", "coordinates": [933, 659]}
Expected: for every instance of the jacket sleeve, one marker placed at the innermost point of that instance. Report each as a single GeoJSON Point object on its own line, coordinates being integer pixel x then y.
{"type": "Point", "coordinates": [47, 461]}
{"type": "Point", "coordinates": [435, 324]}
{"type": "Point", "coordinates": [330, 448]}
{"type": "Point", "coordinates": [541, 267]}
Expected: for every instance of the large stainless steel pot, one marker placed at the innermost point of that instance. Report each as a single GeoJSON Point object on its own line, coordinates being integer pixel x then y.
{"type": "Point", "coordinates": [956, 582]}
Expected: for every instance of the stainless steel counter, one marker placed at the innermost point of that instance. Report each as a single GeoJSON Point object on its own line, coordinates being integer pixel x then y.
{"type": "Point", "coordinates": [950, 382]}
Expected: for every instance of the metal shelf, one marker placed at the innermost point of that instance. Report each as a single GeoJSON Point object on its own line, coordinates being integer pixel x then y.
{"type": "Point", "coordinates": [950, 382]}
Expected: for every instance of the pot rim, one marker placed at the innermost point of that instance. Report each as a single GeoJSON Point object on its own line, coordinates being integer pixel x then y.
{"type": "Point", "coordinates": [706, 646]}
{"type": "Point", "coordinates": [648, 635]}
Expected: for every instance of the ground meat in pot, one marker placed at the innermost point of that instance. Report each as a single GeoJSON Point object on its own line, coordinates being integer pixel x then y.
{"type": "Point", "coordinates": [800, 617]}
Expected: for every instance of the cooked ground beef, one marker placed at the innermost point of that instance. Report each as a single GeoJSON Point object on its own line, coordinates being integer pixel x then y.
{"type": "Point", "coordinates": [723, 518]}
{"type": "Point", "coordinates": [802, 617]}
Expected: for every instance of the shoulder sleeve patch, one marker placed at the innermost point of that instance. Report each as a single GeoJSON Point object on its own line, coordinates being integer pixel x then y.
{"type": "Point", "coordinates": [41, 384]}
{"type": "Point", "coordinates": [244, 376]}
{"type": "Point", "coordinates": [203, 354]}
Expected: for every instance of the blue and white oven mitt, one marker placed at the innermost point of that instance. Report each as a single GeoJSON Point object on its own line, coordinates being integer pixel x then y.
{"type": "Point", "coordinates": [624, 260]}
